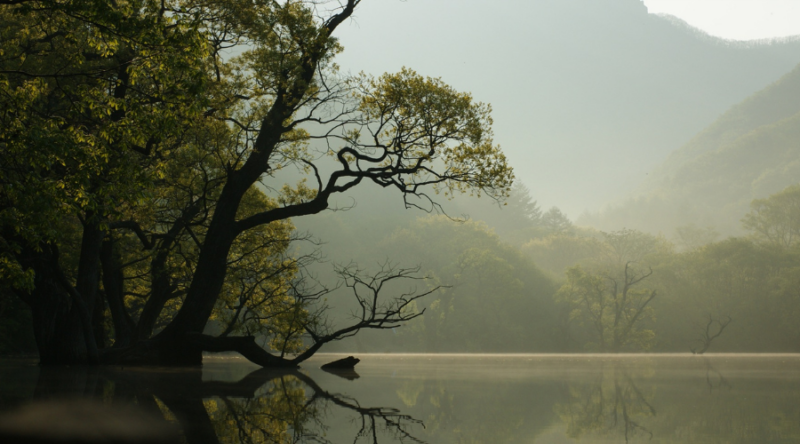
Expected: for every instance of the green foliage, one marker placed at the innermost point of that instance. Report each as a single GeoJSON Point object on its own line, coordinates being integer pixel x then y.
{"type": "Point", "coordinates": [750, 280]}
{"type": "Point", "coordinates": [628, 245]}
{"type": "Point", "coordinates": [607, 302]}
{"type": "Point", "coordinates": [150, 134]}
{"type": "Point", "coordinates": [83, 89]}
{"type": "Point", "coordinates": [559, 251]}
{"type": "Point", "coordinates": [413, 120]}
{"type": "Point", "coordinates": [610, 311]}
{"type": "Point", "coordinates": [691, 236]}
{"type": "Point", "coordinates": [521, 205]}
{"type": "Point", "coordinates": [67, 120]}
{"type": "Point", "coordinates": [752, 284]}
{"type": "Point", "coordinates": [556, 222]}
{"type": "Point", "coordinates": [134, 121]}
{"type": "Point", "coordinates": [515, 220]}
{"type": "Point", "coordinates": [497, 299]}
{"type": "Point", "coordinates": [776, 220]}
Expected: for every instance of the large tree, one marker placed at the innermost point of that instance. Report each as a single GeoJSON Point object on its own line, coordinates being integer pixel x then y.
{"type": "Point", "coordinates": [144, 144]}
{"type": "Point", "coordinates": [606, 298]}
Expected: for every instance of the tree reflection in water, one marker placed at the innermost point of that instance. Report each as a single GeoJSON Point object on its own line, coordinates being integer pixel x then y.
{"type": "Point", "coordinates": [608, 404]}
{"type": "Point", "coordinates": [265, 406]}
{"type": "Point", "coordinates": [714, 378]}
{"type": "Point", "coordinates": [591, 399]}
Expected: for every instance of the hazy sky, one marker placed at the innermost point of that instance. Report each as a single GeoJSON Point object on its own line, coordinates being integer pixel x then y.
{"type": "Point", "coordinates": [588, 96]}
{"type": "Point", "coordinates": [735, 19]}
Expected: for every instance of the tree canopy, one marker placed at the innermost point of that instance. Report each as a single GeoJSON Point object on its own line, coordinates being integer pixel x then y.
{"type": "Point", "coordinates": [141, 181]}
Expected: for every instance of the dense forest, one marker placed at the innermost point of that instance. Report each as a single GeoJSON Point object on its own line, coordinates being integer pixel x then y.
{"type": "Point", "coordinates": [534, 282]}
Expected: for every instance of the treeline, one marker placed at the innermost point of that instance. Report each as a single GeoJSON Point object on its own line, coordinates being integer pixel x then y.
{"type": "Point", "coordinates": [572, 289]}
{"type": "Point", "coordinates": [533, 282]}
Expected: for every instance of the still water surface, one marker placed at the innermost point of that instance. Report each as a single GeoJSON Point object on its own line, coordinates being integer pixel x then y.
{"type": "Point", "coordinates": [452, 398]}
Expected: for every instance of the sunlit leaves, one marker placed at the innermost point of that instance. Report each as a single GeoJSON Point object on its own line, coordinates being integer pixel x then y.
{"type": "Point", "coordinates": [423, 132]}
{"type": "Point", "coordinates": [156, 122]}
{"type": "Point", "coordinates": [88, 93]}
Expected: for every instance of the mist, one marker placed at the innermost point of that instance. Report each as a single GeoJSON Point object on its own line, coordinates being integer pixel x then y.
{"type": "Point", "coordinates": [387, 221]}
{"type": "Point", "coordinates": [588, 97]}
{"type": "Point", "coordinates": [627, 131]}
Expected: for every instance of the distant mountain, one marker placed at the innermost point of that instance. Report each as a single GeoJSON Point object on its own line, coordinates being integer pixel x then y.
{"type": "Point", "coordinates": [751, 151]}
{"type": "Point", "coordinates": [588, 95]}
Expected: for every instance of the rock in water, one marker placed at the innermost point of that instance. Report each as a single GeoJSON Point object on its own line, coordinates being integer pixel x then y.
{"type": "Point", "coordinates": [346, 363]}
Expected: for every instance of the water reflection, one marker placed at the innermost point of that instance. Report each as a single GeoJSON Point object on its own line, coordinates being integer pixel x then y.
{"type": "Point", "coordinates": [610, 403]}
{"type": "Point", "coordinates": [461, 399]}
{"type": "Point", "coordinates": [264, 406]}
{"type": "Point", "coordinates": [596, 399]}
{"type": "Point", "coordinates": [714, 378]}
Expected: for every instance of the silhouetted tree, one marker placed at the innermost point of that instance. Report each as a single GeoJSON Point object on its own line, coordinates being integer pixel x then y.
{"type": "Point", "coordinates": [708, 334]}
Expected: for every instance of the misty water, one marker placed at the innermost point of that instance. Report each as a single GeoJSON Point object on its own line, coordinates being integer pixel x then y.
{"type": "Point", "coordinates": [451, 398]}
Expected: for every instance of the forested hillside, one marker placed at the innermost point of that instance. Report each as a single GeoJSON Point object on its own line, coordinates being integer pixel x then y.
{"type": "Point", "coordinates": [750, 152]}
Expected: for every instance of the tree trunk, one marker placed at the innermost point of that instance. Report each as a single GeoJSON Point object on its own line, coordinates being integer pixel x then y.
{"type": "Point", "coordinates": [209, 276]}
{"type": "Point", "coordinates": [88, 279]}
{"type": "Point", "coordinates": [98, 320]}
{"type": "Point", "coordinates": [113, 283]}
{"type": "Point", "coordinates": [160, 287]}
{"type": "Point", "coordinates": [174, 344]}
{"type": "Point", "coordinates": [159, 295]}
{"type": "Point", "coordinates": [57, 329]}
{"type": "Point", "coordinates": [151, 311]}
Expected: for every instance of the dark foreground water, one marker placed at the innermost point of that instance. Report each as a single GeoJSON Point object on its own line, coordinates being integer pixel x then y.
{"type": "Point", "coordinates": [450, 398]}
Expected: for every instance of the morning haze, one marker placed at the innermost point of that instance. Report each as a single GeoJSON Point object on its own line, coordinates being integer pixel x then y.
{"type": "Point", "coordinates": [588, 97]}
{"type": "Point", "coordinates": [547, 221]}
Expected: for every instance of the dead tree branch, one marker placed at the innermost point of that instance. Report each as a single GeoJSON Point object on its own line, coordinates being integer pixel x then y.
{"type": "Point", "coordinates": [707, 336]}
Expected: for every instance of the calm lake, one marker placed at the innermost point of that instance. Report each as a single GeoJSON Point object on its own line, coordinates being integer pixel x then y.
{"type": "Point", "coordinates": [451, 398]}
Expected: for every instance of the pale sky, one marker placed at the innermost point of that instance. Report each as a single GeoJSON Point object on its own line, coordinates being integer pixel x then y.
{"type": "Point", "coordinates": [735, 19]}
